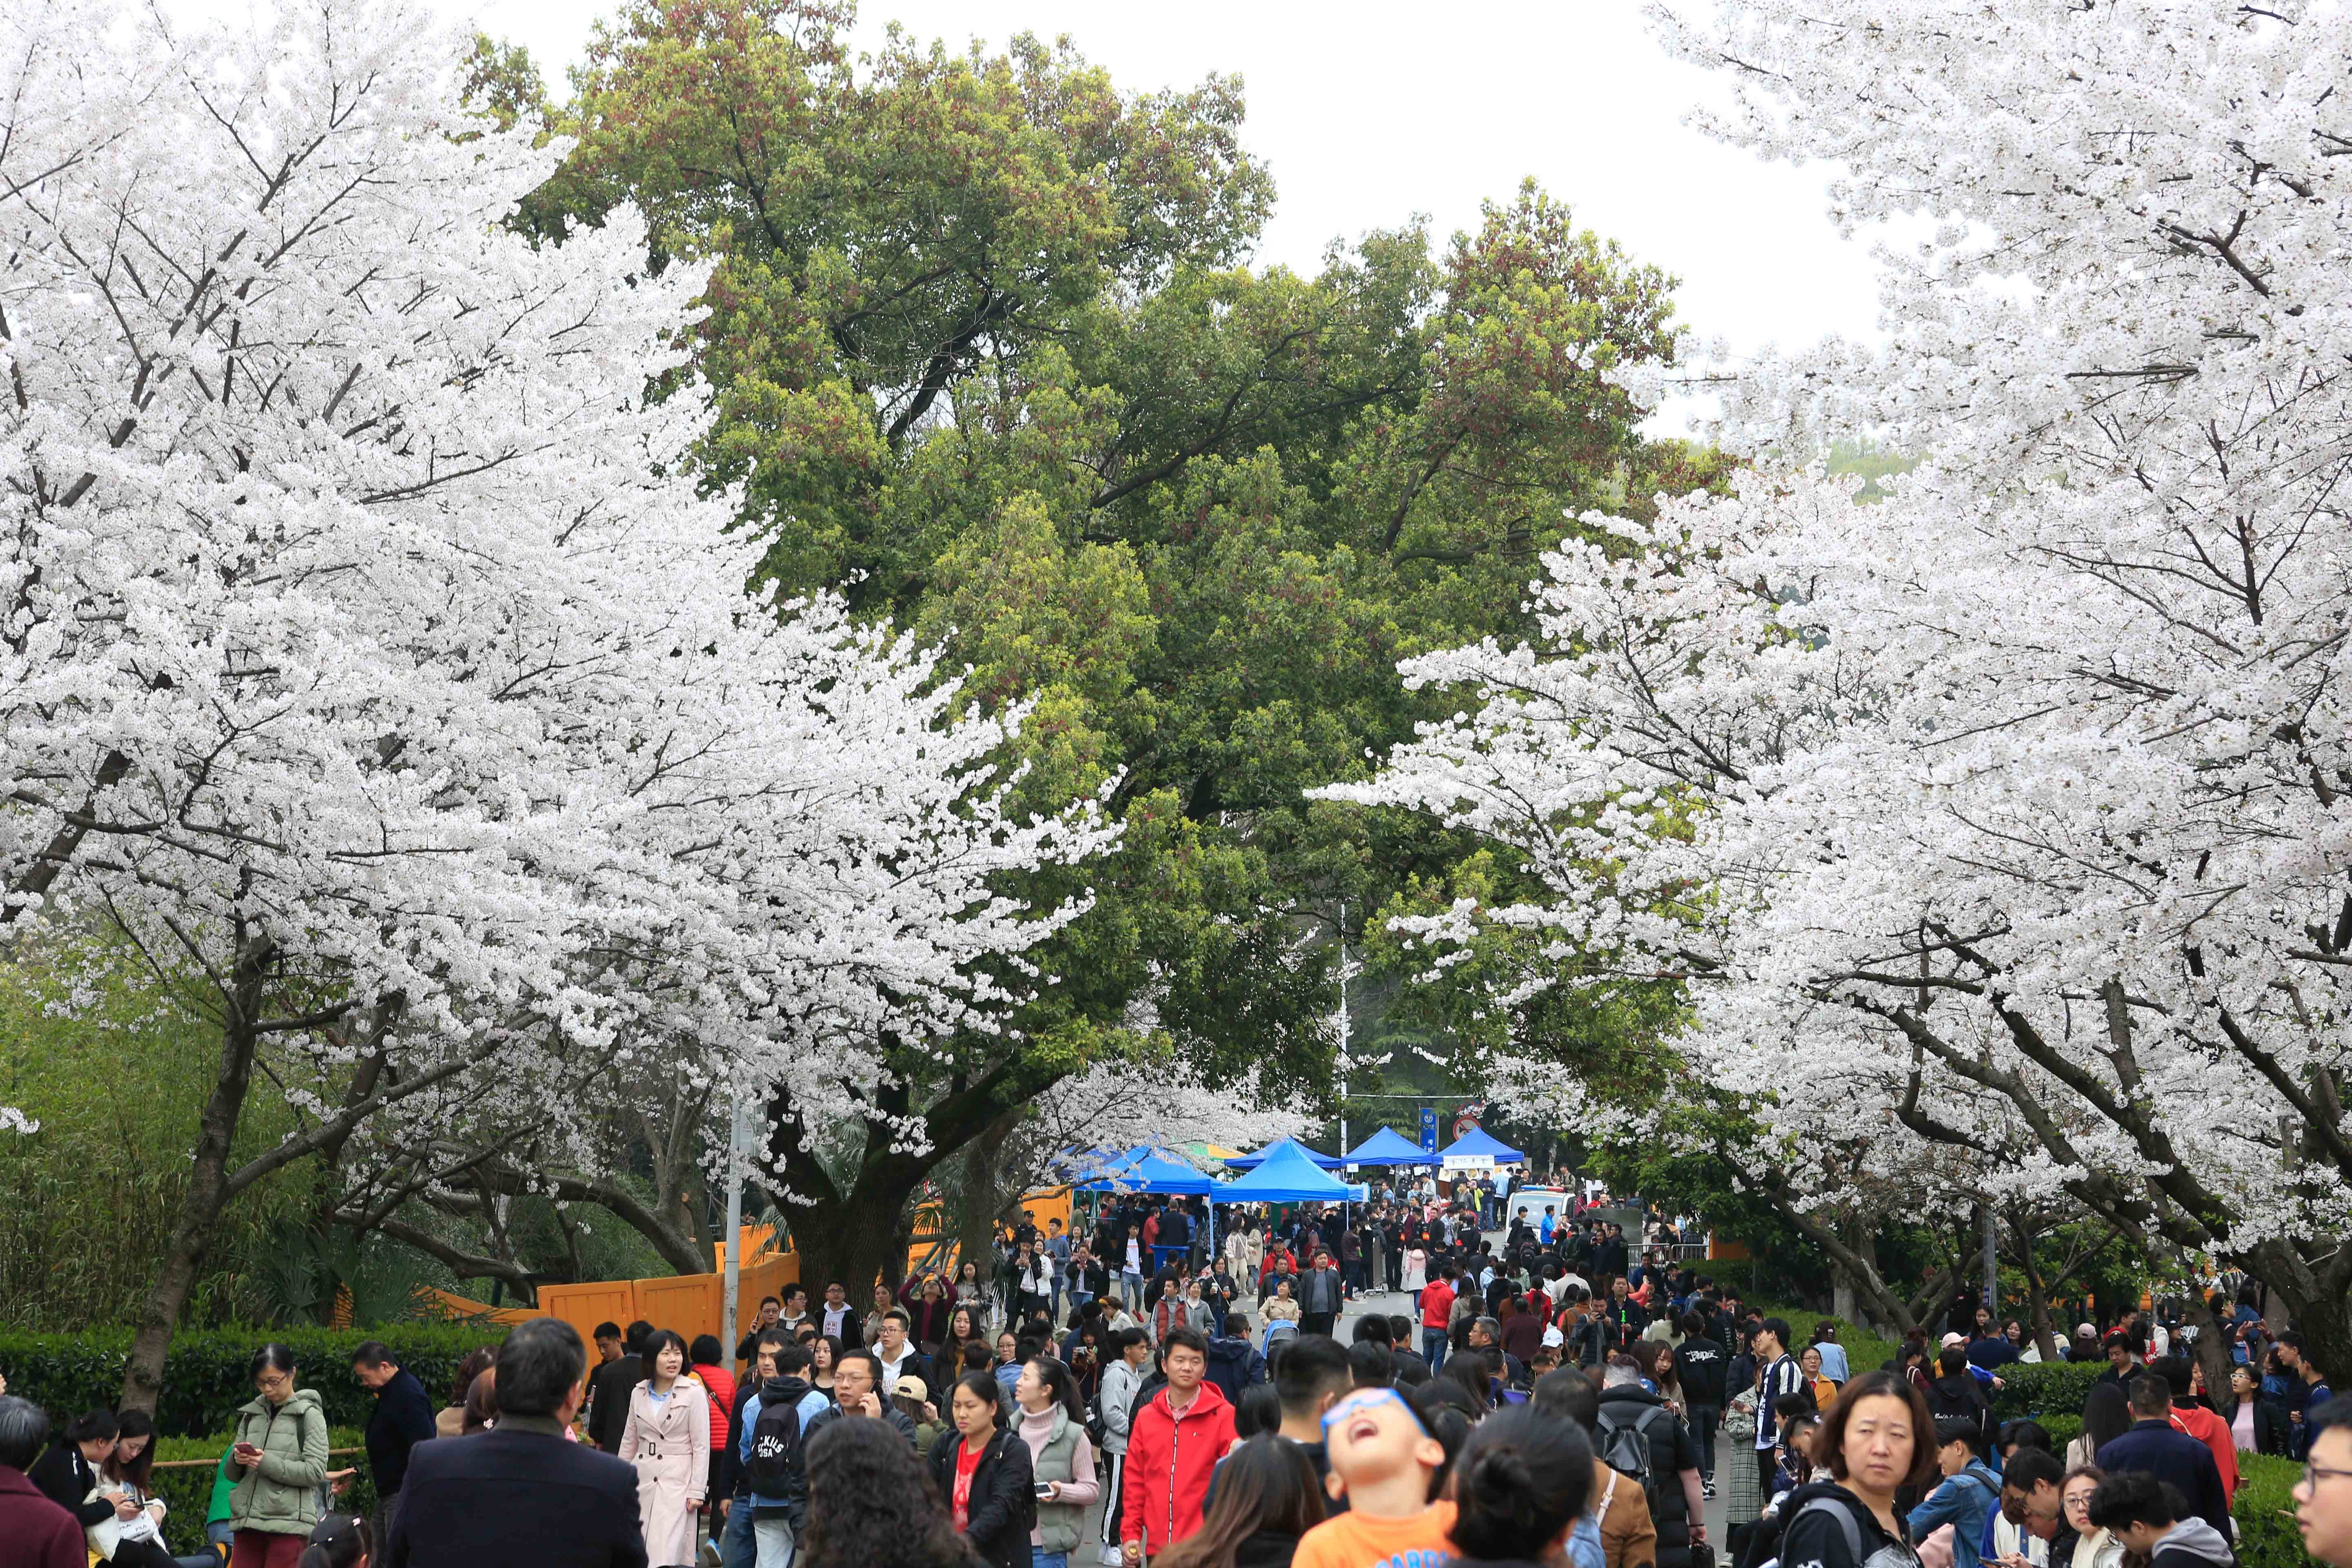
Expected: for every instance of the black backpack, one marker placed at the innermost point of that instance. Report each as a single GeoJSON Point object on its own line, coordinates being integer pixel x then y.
{"type": "Point", "coordinates": [1625, 1446]}
{"type": "Point", "coordinates": [1761, 1548]}
{"type": "Point", "coordinates": [775, 1460]}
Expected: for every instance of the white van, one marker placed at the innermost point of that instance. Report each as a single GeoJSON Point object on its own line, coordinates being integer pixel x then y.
{"type": "Point", "coordinates": [1561, 1201]}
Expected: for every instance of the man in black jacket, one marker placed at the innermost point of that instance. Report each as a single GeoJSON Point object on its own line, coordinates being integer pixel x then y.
{"type": "Point", "coordinates": [1675, 1505]}
{"type": "Point", "coordinates": [402, 1418]}
{"type": "Point", "coordinates": [1955, 1391]}
{"type": "Point", "coordinates": [519, 1492]}
{"type": "Point", "coordinates": [1609, 1254]}
{"type": "Point", "coordinates": [609, 1390]}
{"type": "Point", "coordinates": [1700, 1364]}
{"type": "Point", "coordinates": [68, 1471]}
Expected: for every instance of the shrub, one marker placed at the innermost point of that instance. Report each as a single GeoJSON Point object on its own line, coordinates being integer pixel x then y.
{"type": "Point", "coordinates": [2044, 1388]}
{"type": "Point", "coordinates": [2264, 1511]}
{"type": "Point", "coordinates": [187, 1493]}
{"type": "Point", "coordinates": [2063, 1429]}
{"type": "Point", "coordinates": [204, 1376]}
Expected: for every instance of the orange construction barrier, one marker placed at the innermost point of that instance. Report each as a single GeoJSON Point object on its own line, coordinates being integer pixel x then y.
{"type": "Point", "coordinates": [691, 1304]}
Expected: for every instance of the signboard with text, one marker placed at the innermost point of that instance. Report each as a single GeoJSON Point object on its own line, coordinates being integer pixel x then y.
{"type": "Point", "coordinates": [1429, 1128]}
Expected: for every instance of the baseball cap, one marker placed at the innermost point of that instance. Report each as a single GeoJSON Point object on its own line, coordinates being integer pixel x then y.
{"type": "Point", "coordinates": [910, 1387]}
{"type": "Point", "coordinates": [1951, 1340]}
{"type": "Point", "coordinates": [1553, 1337]}
{"type": "Point", "coordinates": [2087, 1330]}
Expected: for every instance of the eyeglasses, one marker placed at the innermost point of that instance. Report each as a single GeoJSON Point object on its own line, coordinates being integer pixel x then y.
{"type": "Point", "coordinates": [2314, 1474]}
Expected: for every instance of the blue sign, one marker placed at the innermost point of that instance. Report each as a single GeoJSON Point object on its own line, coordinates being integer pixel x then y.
{"type": "Point", "coordinates": [1429, 1128]}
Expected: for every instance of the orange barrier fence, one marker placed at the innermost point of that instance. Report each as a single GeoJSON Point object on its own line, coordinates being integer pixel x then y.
{"type": "Point", "coordinates": [693, 1303]}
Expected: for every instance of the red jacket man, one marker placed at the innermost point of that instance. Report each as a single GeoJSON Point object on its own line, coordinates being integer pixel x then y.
{"type": "Point", "coordinates": [1175, 1441]}
{"type": "Point", "coordinates": [1436, 1303]}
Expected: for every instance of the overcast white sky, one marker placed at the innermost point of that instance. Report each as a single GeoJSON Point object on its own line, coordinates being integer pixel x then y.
{"type": "Point", "coordinates": [1370, 111]}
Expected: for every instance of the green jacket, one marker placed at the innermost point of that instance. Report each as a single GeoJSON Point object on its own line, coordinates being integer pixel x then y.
{"type": "Point", "coordinates": [279, 1495]}
{"type": "Point", "coordinates": [225, 1481]}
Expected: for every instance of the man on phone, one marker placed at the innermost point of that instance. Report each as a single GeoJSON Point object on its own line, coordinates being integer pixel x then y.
{"type": "Point", "coordinates": [771, 1312]}
{"type": "Point", "coordinates": [856, 1391]}
{"type": "Point", "coordinates": [2030, 1500]}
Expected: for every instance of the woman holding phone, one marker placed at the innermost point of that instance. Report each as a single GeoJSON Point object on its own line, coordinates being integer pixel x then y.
{"type": "Point", "coordinates": [1061, 1458]}
{"type": "Point", "coordinates": [280, 1459]}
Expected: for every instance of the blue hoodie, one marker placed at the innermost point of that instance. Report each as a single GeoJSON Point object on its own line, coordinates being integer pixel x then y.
{"type": "Point", "coordinates": [1964, 1501]}
{"type": "Point", "coordinates": [812, 1402]}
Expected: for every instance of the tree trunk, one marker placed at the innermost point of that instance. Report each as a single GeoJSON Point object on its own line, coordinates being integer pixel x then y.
{"type": "Point", "coordinates": [857, 1231]}
{"type": "Point", "coordinates": [208, 1188]}
{"type": "Point", "coordinates": [2213, 1350]}
{"type": "Point", "coordinates": [842, 1244]}
{"type": "Point", "coordinates": [2037, 1294]}
{"type": "Point", "coordinates": [982, 1202]}
{"type": "Point", "coordinates": [1865, 1277]}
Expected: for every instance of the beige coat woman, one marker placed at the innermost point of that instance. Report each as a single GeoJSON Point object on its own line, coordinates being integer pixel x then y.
{"type": "Point", "coordinates": [669, 1441]}
{"type": "Point", "coordinates": [1244, 1251]}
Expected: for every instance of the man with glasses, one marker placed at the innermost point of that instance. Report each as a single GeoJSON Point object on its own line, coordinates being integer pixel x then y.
{"type": "Point", "coordinates": [2323, 1499]}
{"type": "Point", "coordinates": [2032, 1500]}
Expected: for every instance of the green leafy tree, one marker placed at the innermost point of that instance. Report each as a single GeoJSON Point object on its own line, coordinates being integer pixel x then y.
{"type": "Point", "coordinates": [985, 346]}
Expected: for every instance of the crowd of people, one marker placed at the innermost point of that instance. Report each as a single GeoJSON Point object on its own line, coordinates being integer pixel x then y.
{"type": "Point", "coordinates": [1557, 1397]}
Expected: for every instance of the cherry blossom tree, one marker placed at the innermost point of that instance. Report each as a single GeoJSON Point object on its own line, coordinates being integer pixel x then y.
{"type": "Point", "coordinates": [377, 669]}
{"type": "Point", "coordinates": [2013, 806]}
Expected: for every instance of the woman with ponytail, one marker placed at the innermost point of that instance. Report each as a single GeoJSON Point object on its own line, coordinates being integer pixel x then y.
{"type": "Point", "coordinates": [1520, 1486]}
{"type": "Point", "coordinates": [339, 1540]}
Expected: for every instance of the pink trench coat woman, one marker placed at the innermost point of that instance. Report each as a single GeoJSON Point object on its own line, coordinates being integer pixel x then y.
{"type": "Point", "coordinates": [668, 1440]}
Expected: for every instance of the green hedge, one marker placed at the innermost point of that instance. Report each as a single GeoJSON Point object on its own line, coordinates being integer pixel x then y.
{"type": "Point", "coordinates": [206, 1377]}
{"type": "Point", "coordinates": [2063, 1429]}
{"type": "Point", "coordinates": [2264, 1511]}
{"type": "Point", "coordinates": [2042, 1389]}
{"type": "Point", "coordinates": [188, 1493]}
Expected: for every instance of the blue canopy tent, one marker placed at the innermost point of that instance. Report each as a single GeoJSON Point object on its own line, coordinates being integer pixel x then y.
{"type": "Point", "coordinates": [1481, 1149]}
{"type": "Point", "coordinates": [1389, 1147]}
{"type": "Point", "coordinates": [1251, 1162]}
{"type": "Point", "coordinates": [1286, 1174]}
{"type": "Point", "coordinates": [1479, 1141]}
{"type": "Point", "coordinates": [1143, 1170]}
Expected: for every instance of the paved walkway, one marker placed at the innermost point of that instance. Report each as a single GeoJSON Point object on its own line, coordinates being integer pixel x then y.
{"type": "Point", "coordinates": [1389, 1303]}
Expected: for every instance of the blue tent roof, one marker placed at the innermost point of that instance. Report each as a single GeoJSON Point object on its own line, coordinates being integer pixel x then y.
{"type": "Point", "coordinates": [1286, 1175]}
{"type": "Point", "coordinates": [1479, 1141]}
{"type": "Point", "coordinates": [1250, 1161]}
{"type": "Point", "coordinates": [1141, 1170]}
{"type": "Point", "coordinates": [1390, 1147]}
